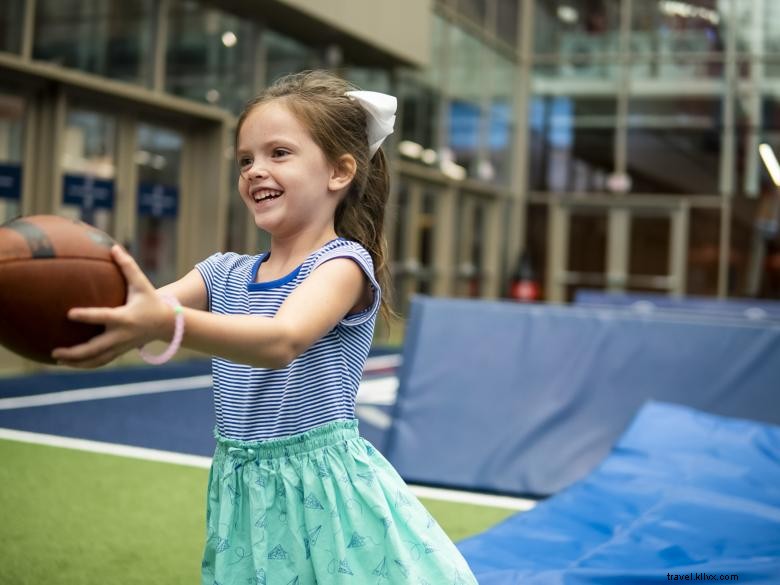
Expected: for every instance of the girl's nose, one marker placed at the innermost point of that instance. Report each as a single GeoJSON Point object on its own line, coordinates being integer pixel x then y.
{"type": "Point", "coordinates": [256, 171]}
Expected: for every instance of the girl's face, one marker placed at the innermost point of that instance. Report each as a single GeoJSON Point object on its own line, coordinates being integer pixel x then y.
{"type": "Point", "coordinates": [285, 180]}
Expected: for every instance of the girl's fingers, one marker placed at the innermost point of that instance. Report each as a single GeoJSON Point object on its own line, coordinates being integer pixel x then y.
{"type": "Point", "coordinates": [132, 272]}
{"type": "Point", "coordinates": [93, 362]}
{"type": "Point", "coordinates": [93, 315]}
{"type": "Point", "coordinates": [100, 344]}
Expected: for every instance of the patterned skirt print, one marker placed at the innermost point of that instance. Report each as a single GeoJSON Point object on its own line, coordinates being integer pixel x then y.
{"type": "Point", "coordinates": [323, 507]}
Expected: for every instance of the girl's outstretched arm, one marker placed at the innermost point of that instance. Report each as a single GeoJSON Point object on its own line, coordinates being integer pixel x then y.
{"type": "Point", "coordinates": [311, 311]}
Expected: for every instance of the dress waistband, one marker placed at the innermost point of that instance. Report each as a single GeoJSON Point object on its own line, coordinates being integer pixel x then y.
{"type": "Point", "coordinates": [322, 436]}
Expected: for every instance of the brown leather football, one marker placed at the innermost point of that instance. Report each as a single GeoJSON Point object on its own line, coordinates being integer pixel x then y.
{"type": "Point", "coordinates": [49, 264]}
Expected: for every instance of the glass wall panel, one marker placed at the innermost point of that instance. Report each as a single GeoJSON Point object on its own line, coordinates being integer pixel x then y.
{"type": "Point", "coordinates": [11, 25]}
{"type": "Point", "coordinates": [756, 26]}
{"type": "Point", "coordinates": [506, 25]}
{"type": "Point", "coordinates": [401, 256]}
{"type": "Point", "coordinates": [468, 78]}
{"type": "Point", "coordinates": [286, 55]}
{"type": "Point", "coordinates": [649, 247]}
{"type": "Point", "coordinates": [536, 238]}
{"type": "Point", "coordinates": [667, 29]}
{"type": "Point", "coordinates": [470, 245]}
{"type": "Point", "coordinates": [369, 78]}
{"type": "Point", "coordinates": [210, 56]}
{"type": "Point", "coordinates": [158, 161]}
{"type": "Point", "coordinates": [703, 252]}
{"type": "Point", "coordinates": [587, 264]}
{"type": "Point", "coordinates": [674, 145]}
{"type": "Point", "coordinates": [112, 39]}
{"type": "Point", "coordinates": [577, 29]}
{"type": "Point", "coordinates": [426, 226]}
{"type": "Point", "coordinates": [578, 67]}
{"type": "Point", "coordinates": [420, 113]}
{"type": "Point", "coordinates": [12, 109]}
{"type": "Point", "coordinates": [758, 121]}
{"type": "Point", "coordinates": [476, 10]}
{"type": "Point", "coordinates": [571, 143]}
{"type": "Point", "coordinates": [89, 168]}
{"type": "Point", "coordinates": [501, 122]}
{"type": "Point", "coordinates": [683, 68]}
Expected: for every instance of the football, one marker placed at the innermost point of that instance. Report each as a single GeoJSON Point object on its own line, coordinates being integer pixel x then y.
{"type": "Point", "coordinates": [48, 265]}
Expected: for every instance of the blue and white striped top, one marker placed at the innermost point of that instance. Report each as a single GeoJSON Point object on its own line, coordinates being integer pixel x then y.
{"type": "Point", "coordinates": [321, 384]}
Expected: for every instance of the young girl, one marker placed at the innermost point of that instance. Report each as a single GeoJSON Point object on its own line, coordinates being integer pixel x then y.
{"type": "Point", "coordinates": [295, 496]}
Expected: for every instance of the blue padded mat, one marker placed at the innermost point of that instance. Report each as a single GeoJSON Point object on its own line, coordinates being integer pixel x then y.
{"type": "Point", "coordinates": [742, 308]}
{"type": "Point", "coordinates": [499, 397]}
{"type": "Point", "coordinates": [682, 493]}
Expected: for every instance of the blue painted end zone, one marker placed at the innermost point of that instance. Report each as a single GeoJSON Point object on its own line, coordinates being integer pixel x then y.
{"type": "Point", "coordinates": [181, 421]}
{"type": "Point", "coordinates": [57, 381]}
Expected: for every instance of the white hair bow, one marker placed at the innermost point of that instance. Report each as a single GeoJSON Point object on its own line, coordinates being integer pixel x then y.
{"type": "Point", "coordinates": [380, 108]}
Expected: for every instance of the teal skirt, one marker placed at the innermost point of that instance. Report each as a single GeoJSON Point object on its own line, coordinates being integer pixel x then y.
{"type": "Point", "coordinates": [322, 507]}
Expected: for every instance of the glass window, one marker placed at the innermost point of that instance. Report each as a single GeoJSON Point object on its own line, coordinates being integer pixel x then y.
{"type": "Point", "coordinates": [649, 245]}
{"type": "Point", "coordinates": [419, 112]}
{"type": "Point", "coordinates": [676, 40]}
{"type": "Point", "coordinates": [703, 252]}
{"type": "Point", "coordinates": [674, 145]}
{"type": "Point", "coordinates": [476, 10]}
{"type": "Point", "coordinates": [506, 25]}
{"type": "Point", "coordinates": [369, 79]}
{"type": "Point", "coordinates": [589, 263]}
{"type": "Point", "coordinates": [112, 39]}
{"type": "Point", "coordinates": [571, 144]}
{"type": "Point", "coordinates": [11, 145]}
{"type": "Point", "coordinates": [576, 28]}
{"type": "Point", "coordinates": [576, 66]}
{"type": "Point", "coordinates": [158, 161]}
{"type": "Point", "coordinates": [210, 56]}
{"type": "Point", "coordinates": [286, 55]}
{"type": "Point", "coordinates": [11, 25]}
{"type": "Point", "coordinates": [674, 29]}
{"type": "Point", "coordinates": [472, 229]}
{"type": "Point", "coordinates": [468, 78]}
{"type": "Point", "coordinates": [758, 121]}
{"type": "Point", "coordinates": [426, 224]}
{"type": "Point", "coordinates": [88, 166]}
{"type": "Point", "coordinates": [501, 124]}
{"type": "Point", "coordinates": [682, 68]}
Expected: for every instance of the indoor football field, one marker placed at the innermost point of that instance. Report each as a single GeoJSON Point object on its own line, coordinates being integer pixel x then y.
{"type": "Point", "coordinates": [617, 440]}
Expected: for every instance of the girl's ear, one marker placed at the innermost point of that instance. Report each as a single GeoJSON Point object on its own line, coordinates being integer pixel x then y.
{"type": "Point", "coordinates": [342, 173]}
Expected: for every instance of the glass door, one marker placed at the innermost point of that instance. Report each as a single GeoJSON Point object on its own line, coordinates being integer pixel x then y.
{"type": "Point", "coordinates": [158, 164]}
{"type": "Point", "coordinates": [12, 111]}
{"type": "Point", "coordinates": [89, 168]}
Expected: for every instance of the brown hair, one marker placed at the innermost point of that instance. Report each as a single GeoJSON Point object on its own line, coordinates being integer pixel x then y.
{"type": "Point", "coordinates": [337, 125]}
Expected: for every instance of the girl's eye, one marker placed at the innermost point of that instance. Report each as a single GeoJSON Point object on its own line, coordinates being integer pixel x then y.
{"type": "Point", "coordinates": [244, 162]}
{"type": "Point", "coordinates": [280, 152]}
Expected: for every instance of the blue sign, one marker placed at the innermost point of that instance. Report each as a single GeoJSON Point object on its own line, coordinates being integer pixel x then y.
{"type": "Point", "coordinates": [88, 192]}
{"type": "Point", "coordinates": [158, 200]}
{"type": "Point", "coordinates": [465, 120]}
{"type": "Point", "coordinates": [10, 181]}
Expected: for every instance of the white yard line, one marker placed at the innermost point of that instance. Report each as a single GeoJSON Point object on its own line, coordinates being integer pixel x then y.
{"type": "Point", "coordinates": [376, 391]}
{"type": "Point", "coordinates": [205, 462]}
{"type": "Point", "coordinates": [101, 392]}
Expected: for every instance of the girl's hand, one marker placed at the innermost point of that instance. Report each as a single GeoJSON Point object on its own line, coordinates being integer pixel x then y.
{"type": "Point", "coordinates": [143, 318]}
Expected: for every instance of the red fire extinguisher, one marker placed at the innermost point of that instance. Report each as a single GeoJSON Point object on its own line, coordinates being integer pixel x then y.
{"type": "Point", "coordinates": [524, 286]}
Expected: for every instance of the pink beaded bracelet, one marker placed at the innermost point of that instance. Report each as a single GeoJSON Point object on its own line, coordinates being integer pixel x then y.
{"type": "Point", "coordinates": [178, 334]}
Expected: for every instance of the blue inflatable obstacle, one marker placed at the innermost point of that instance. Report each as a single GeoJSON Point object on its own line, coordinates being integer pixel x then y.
{"type": "Point", "coordinates": [684, 496]}
{"type": "Point", "coordinates": [528, 399]}
{"type": "Point", "coordinates": [644, 302]}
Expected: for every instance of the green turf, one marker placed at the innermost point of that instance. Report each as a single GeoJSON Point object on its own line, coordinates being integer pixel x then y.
{"type": "Point", "coordinates": [74, 517]}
